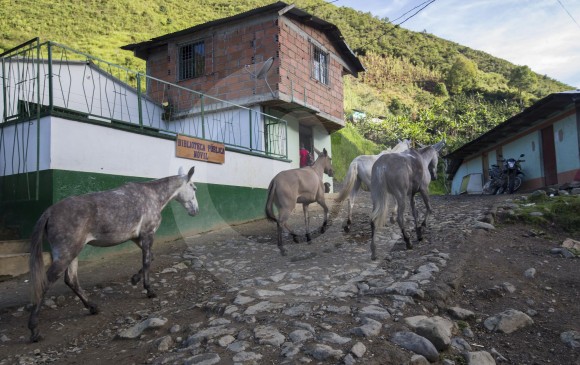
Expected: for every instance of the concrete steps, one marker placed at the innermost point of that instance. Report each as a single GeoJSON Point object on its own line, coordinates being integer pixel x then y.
{"type": "Point", "coordinates": [14, 255]}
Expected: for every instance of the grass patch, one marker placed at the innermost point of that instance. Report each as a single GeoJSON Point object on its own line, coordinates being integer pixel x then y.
{"type": "Point", "coordinates": [562, 212]}
{"type": "Point", "coordinates": [347, 144]}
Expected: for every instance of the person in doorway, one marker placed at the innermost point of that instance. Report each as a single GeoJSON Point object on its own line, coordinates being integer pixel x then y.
{"type": "Point", "coordinates": [304, 156]}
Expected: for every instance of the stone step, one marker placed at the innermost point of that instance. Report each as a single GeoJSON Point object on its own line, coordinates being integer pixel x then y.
{"type": "Point", "coordinates": [14, 246]}
{"type": "Point", "coordinates": [15, 264]}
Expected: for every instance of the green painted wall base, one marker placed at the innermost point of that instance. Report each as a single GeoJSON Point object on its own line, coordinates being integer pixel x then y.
{"type": "Point", "coordinates": [219, 205]}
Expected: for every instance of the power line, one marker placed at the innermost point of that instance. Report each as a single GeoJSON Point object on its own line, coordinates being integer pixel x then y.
{"type": "Point", "coordinates": [395, 26]}
{"type": "Point", "coordinates": [570, 15]}
{"type": "Point", "coordinates": [408, 11]}
{"type": "Point", "coordinates": [418, 11]}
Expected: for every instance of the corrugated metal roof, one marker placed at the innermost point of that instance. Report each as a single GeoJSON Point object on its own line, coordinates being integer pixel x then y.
{"type": "Point", "coordinates": [529, 117]}
{"type": "Point", "coordinates": [283, 8]}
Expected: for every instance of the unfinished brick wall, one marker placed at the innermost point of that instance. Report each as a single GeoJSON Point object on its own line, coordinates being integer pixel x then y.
{"type": "Point", "coordinates": [230, 47]}
{"type": "Point", "coordinates": [228, 50]}
{"type": "Point", "coordinates": [296, 45]}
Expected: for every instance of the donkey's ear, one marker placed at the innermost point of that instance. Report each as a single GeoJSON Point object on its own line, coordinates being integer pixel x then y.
{"type": "Point", "coordinates": [324, 152]}
{"type": "Point", "coordinates": [190, 173]}
{"type": "Point", "coordinates": [180, 172]}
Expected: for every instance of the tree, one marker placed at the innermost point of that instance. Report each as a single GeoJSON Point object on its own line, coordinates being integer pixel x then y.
{"type": "Point", "coordinates": [462, 76]}
{"type": "Point", "coordinates": [522, 78]}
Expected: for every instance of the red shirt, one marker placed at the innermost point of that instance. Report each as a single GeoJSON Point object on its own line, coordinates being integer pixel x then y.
{"type": "Point", "coordinates": [303, 157]}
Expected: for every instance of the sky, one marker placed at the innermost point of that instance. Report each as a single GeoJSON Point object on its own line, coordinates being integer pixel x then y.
{"type": "Point", "coordinates": [541, 34]}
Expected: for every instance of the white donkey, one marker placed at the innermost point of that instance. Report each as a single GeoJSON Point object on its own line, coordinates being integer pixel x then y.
{"type": "Point", "coordinates": [359, 172]}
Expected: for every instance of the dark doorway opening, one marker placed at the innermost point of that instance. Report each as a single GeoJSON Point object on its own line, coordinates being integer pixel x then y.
{"type": "Point", "coordinates": [305, 138]}
{"type": "Point", "coordinates": [549, 156]}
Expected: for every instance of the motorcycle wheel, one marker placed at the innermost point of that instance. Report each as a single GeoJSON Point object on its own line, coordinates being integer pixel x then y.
{"type": "Point", "coordinates": [511, 185]}
{"type": "Point", "coordinates": [486, 190]}
{"type": "Point", "coordinates": [517, 183]}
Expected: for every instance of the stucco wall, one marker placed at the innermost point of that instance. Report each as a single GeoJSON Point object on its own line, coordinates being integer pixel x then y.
{"type": "Point", "coordinates": [566, 144]}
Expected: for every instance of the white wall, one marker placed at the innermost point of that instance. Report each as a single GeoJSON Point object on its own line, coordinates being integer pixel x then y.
{"type": "Point", "coordinates": [76, 146]}
{"type": "Point", "coordinates": [530, 145]}
{"type": "Point", "coordinates": [473, 166]}
{"type": "Point", "coordinates": [566, 144]}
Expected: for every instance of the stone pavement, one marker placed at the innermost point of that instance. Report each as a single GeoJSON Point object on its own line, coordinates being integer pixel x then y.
{"type": "Point", "coordinates": [325, 300]}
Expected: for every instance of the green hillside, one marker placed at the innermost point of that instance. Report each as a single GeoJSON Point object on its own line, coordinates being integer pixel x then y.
{"type": "Point", "coordinates": [416, 86]}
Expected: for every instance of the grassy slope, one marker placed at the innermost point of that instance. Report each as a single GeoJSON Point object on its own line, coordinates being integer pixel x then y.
{"type": "Point", "coordinates": [100, 28]}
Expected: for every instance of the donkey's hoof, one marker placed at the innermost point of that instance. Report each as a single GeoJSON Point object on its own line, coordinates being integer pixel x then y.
{"type": "Point", "coordinates": [35, 336]}
{"type": "Point", "coordinates": [295, 238]}
{"type": "Point", "coordinates": [409, 246]}
{"type": "Point", "coordinates": [374, 257]}
{"type": "Point", "coordinates": [283, 252]}
{"type": "Point", "coordinates": [151, 294]}
{"type": "Point", "coordinates": [308, 238]}
{"type": "Point", "coordinates": [135, 279]}
{"type": "Point", "coordinates": [93, 309]}
{"type": "Point", "coordinates": [346, 229]}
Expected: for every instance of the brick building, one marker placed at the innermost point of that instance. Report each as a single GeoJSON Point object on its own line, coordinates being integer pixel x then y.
{"type": "Point", "coordinates": [277, 57]}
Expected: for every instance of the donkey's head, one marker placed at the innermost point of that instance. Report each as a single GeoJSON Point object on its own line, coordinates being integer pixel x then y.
{"type": "Point", "coordinates": [186, 194]}
{"type": "Point", "coordinates": [325, 161]}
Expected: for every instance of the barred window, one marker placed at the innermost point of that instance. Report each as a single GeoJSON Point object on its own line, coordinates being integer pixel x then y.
{"type": "Point", "coordinates": [319, 65]}
{"type": "Point", "coordinates": [191, 60]}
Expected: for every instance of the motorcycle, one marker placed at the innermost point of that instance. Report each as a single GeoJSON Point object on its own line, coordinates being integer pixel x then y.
{"type": "Point", "coordinates": [512, 170]}
{"type": "Point", "coordinates": [495, 184]}
{"type": "Point", "coordinates": [506, 179]}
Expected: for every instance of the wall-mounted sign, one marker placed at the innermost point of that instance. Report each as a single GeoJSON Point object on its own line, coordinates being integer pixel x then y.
{"type": "Point", "coordinates": [200, 149]}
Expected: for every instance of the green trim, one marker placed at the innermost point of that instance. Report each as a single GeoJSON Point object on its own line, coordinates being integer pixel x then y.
{"type": "Point", "coordinates": [219, 205]}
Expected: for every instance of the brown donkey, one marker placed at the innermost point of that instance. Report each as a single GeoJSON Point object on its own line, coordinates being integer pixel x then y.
{"type": "Point", "coordinates": [304, 186]}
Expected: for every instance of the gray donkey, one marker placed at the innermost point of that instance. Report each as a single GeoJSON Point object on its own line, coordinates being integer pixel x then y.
{"type": "Point", "coordinates": [103, 219]}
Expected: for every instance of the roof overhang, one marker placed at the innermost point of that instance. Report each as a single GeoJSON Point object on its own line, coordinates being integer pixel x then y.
{"type": "Point", "coordinates": [528, 118]}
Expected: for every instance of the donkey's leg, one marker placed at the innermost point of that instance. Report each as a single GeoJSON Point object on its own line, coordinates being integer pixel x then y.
{"type": "Point", "coordinates": [72, 280]}
{"type": "Point", "coordinates": [428, 210]}
{"type": "Point", "coordinates": [415, 218]}
{"type": "Point", "coordinates": [55, 271]}
{"type": "Point", "coordinates": [373, 245]}
{"type": "Point", "coordinates": [322, 203]}
{"type": "Point", "coordinates": [351, 199]}
{"type": "Point", "coordinates": [283, 251]}
{"type": "Point", "coordinates": [306, 221]}
{"type": "Point", "coordinates": [146, 243]}
{"type": "Point", "coordinates": [401, 221]}
{"type": "Point", "coordinates": [136, 278]}
{"type": "Point", "coordinates": [283, 219]}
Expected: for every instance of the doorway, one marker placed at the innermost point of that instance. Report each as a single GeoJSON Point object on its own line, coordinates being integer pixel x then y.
{"type": "Point", "coordinates": [306, 138]}
{"type": "Point", "coordinates": [549, 156]}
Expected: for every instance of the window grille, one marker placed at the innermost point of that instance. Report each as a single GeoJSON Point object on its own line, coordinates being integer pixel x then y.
{"type": "Point", "coordinates": [191, 60]}
{"type": "Point", "coordinates": [320, 65]}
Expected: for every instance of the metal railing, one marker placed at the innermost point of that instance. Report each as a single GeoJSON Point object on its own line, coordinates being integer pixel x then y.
{"type": "Point", "coordinates": [50, 78]}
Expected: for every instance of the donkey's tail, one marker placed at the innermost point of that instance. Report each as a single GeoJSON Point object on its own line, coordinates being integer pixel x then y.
{"type": "Point", "coordinates": [270, 203]}
{"type": "Point", "coordinates": [380, 198]}
{"type": "Point", "coordinates": [37, 273]}
{"type": "Point", "coordinates": [349, 181]}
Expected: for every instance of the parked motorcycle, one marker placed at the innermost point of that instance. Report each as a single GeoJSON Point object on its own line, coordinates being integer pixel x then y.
{"type": "Point", "coordinates": [505, 179]}
{"type": "Point", "coordinates": [512, 170]}
{"type": "Point", "coordinates": [495, 184]}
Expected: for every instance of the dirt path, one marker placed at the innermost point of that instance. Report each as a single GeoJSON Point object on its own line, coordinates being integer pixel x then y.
{"type": "Point", "coordinates": [229, 297]}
